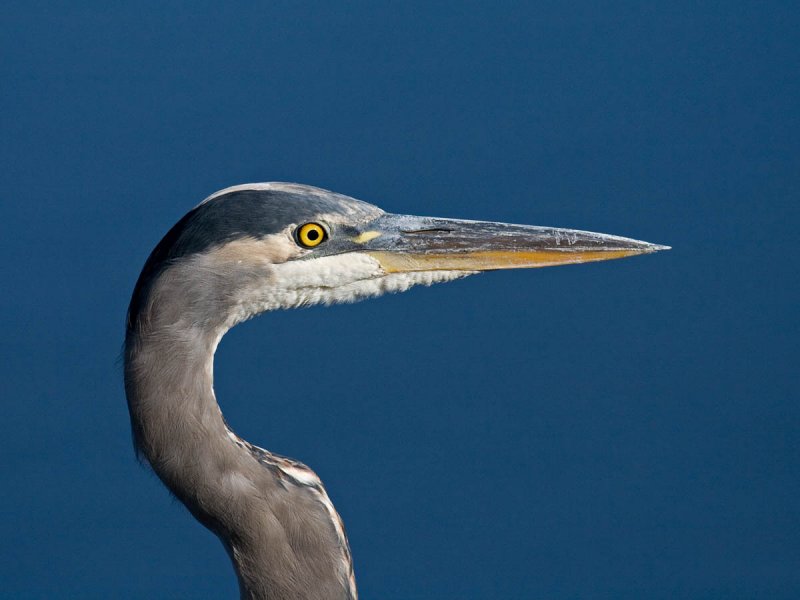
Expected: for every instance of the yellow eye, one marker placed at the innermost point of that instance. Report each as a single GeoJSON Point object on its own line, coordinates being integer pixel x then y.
{"type": "Point", "coordinates": [311, 235]}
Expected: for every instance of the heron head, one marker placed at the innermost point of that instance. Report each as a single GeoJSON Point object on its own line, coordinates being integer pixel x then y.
{"type": "Point", "coordinates": [261, 247]}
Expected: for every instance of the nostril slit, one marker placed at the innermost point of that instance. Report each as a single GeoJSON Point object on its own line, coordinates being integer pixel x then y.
{"type": "Point", "coordinates": [433, 230]}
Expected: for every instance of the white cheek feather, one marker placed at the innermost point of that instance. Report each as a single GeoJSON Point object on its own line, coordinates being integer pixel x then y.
{"type": "Point", "coordinates": [331, 280]}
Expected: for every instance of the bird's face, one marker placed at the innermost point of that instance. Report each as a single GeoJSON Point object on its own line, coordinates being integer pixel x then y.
{"type": "Point", "coordinates": [269, 246]}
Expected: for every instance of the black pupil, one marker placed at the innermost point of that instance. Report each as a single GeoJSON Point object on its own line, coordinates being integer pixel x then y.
{"type": "Point", "coordinates": [313, 235]}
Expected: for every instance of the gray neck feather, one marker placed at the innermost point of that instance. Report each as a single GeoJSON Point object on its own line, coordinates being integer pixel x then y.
{"type": "Point", "coordinates": [275, 532]}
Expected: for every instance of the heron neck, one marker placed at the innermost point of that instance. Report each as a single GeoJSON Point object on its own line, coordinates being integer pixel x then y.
{"type": "Point", "coordinates": [177, 423]}
{"type": "Point", "coordinates": [179, 428]}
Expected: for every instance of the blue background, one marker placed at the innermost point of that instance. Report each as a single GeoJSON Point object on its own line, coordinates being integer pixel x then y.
{"type": "Point", "coordinates": [624, 429]}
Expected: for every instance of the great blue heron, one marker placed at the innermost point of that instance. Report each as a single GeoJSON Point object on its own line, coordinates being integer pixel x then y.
{"type": "Point", "coordinates": [252, 248]}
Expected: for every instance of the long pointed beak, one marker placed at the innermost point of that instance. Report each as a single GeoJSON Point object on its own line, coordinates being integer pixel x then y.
{"type": "Point", "coordinates": [403, 243]}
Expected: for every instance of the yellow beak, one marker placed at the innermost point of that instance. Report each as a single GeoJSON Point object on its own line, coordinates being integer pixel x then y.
{"type": "Point", "coordinates": [405, 243]}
